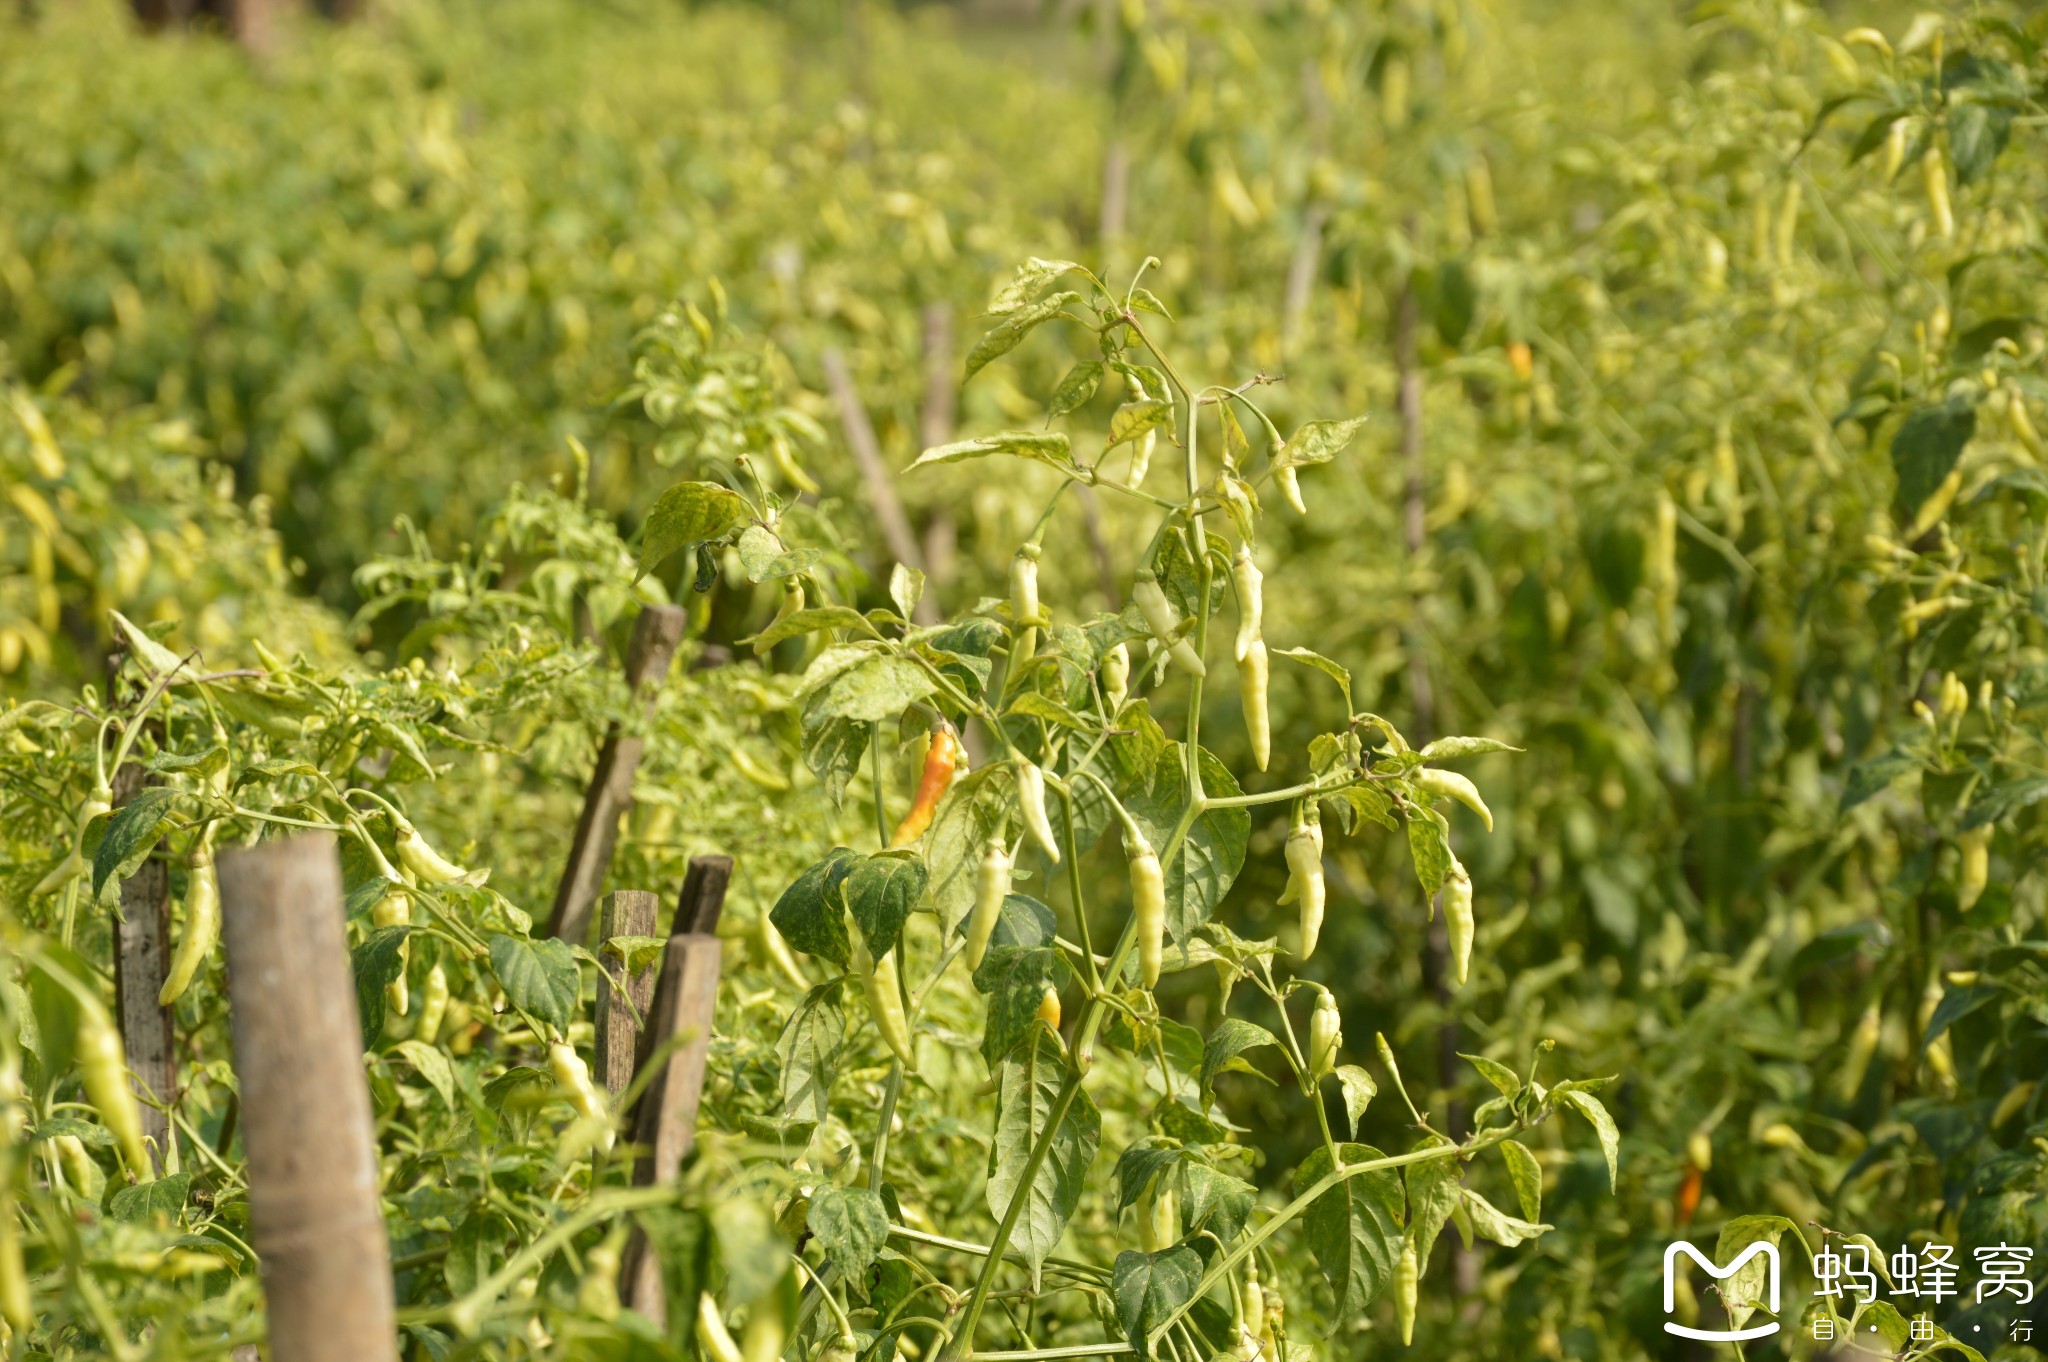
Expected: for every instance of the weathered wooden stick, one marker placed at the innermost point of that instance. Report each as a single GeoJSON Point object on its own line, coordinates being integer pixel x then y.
{"type": "Point", "coordinates": [655, 635]}
{"type": "Point", "coordinates": [628, 912]}
{"type": "Point", "coordinates": [685, 1003]}
{"type": "Point", "coordinates": [298, 1044]}
{"type": "Point", "coordinates": [703, 896]}
{"type": "Point", "coordinates": [142, 956]}
{"type": "Point", "coordinates": [867, 452]}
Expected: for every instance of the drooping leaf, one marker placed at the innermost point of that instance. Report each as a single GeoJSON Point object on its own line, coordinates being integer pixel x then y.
{"type": "Point", "coordinates": [433, 1066]}
{"type": "Point", "coordinates": [132, 831]}
{"type": "Point", "coordinates": [1215, 1201]}
{"type": "Point", "coordinates": [1431, 851]}
{"type": "Point", "coordinates": [1926, 446]}
{"type": "Point", "coordinates": [539, 977]}
{"type": "Point", "coordinates": [1319, 441]}
{"type": "Point", "coordinates": [1076, 388]}
{"type": "Point", "coordinates": [160, 1201]}
{"type": "Point", "coordinates": [1872, 777]}
{"type": "Point", "coordinates": [810, 914]}
{"type": "Point", "coordinates": [1354, 1228]}
{"type": "Point", "coordinates": [377, 964]}
{"type": "Point", "coordinates": [1310, 658]}
{"type": "Point", "coordinates": [1029, 1083]}
{"type": "Point", "coordinates": [1015, 978]}
{"type": "Point", "coordinates": [1045, 446]}
{"type": "Point", "coordinates": [1433, 1190]}
{"type": "Point", "coordinates": [807, 621]}
{"type": "Point", "coordinates": [1490, 1222]}
{"type": "Point", "coordinates": [2001, 801]}
{"type": "Point", "coordinates": [1359, 1090]}
{"type": "Point", "coordinates": [689, 513]}
{"type": "Point", "coordinates": [1527, 1176]}
{"type": "Point", "coordinates": [1149, 1287]}
{"type": "Point", "coordinates": [833, 749]}
{"type": "Point", "coordinates": [1447, 749]}
{"type": "Point", "coordinates": [880, 891]}
{"type": "Point", "coordinates": [1496, 1073]}
{"type": "Point", "coordinates": [1020, 323]}
{"type": "Point", "coordinates": [1227, 1044]}
{"type": "Point", "coordinates": [1590, 1107]}
{"type": "Point", "coordinates": [1133, 419]}
{"type": "Point", "coordinates": [851, 1226]}
{"type": "Point", "coordinates": [810, 1047]}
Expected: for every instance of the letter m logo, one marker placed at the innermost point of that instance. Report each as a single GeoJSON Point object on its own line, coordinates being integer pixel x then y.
{"type": "Point", "coordinates": [1671, 1270]}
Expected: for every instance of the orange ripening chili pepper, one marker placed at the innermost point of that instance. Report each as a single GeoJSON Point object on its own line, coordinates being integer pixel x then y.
{"type": "Point", "coordinates": [1520, 360]}
{"type": "Point", "coordinates": [1689, 1194]}
{"type": "Point", "coordinates": [942, 760]}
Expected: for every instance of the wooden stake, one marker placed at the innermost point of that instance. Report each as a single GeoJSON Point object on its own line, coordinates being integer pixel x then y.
{"type": "Point", "coordinates": [610, 796]}
{"type": "Point", "coordinates": [685, 1003]}
{"type": "Point", "coordinates": [142, 956]}
{"type": "Point", "coordinates": [629, 912]}
{"type": "Point", "coordinates": [305, 1106]}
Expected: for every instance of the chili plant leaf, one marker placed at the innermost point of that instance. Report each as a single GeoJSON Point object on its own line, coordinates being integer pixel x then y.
{"type": "Point", "coordinates": [1149, 1287]}
{"type": "Point", "coordinates": [1354, 1228]}
{"type": "Point", "coordinates": [1029, 1084]}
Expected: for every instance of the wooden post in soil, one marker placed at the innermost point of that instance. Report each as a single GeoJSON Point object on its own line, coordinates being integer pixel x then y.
{"type": "Point", "coordinates": [306, 1123]}
{"type": "Point", "coordinates": [610, 796]}
{"type": "Point", "coordinates": [685, 1002]}
{"type": "Point", "coordinates": [629, 912]}
{"type": "Point", "coordinates": [142, 956]}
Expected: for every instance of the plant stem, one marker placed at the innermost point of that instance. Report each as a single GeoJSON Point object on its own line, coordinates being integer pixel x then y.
{"type": "Point", "coordinates": [1228, 1260]}
{"type": "Point", "coordinates": [962, 1342]}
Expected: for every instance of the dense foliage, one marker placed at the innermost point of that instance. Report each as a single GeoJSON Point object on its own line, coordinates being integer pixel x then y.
{"type": "Point", "coordinates": [377, 389]}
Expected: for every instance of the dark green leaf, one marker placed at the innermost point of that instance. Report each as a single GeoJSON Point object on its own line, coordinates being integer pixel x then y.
{"type": "Point", "coordinates": [1432, 1195]}
{"type": "Point", "coordinates": [1926, 446]}
{"type": "Point", "coordinates": [1354, 1228]}
{"type": "Point", "coordinates": [130, 834]}
{"type": "Point", "coordinates": [1029, 1084]}
{"type": "Point", "coordinates": [377, 963]}
{"type": "Point", "coordinates": [1149, 1287]}
{"type": "Point", "coordinates": [811, 915]}
{"type": "Point", "coordinates": [1956, 1004]}
{"type": "Point", "coordinates": [1977, 133]}
{"type": "Point", "coordinates": [2003, 800]}
{"type": "Point", "coordinates": [1231, 1038]}
{"type": "Point", "coordinates": [1015, 979]}
{"type": "Point", "coordinates": [880, 890]}
{"type": "Point", "coordinates": [159, 1201]}
{"type": "Point", "coordinates": [539, 977]}
{"type": "Point", "coordinates": [1868, 778]}
{"type": "Point", "coordinates": [1215, 1201]}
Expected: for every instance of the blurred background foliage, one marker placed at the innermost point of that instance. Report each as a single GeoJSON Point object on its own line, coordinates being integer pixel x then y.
{"type": "Point", "coordinates": [1699, 345]}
